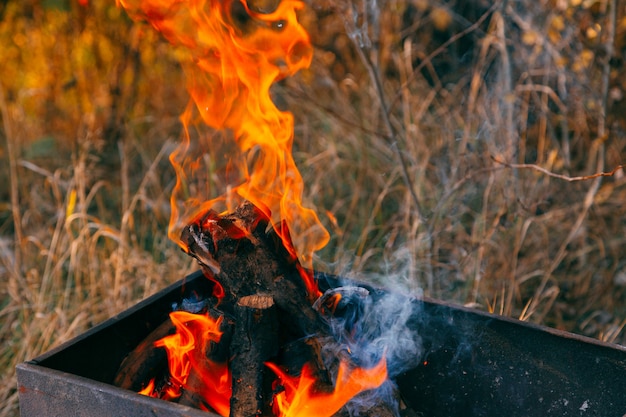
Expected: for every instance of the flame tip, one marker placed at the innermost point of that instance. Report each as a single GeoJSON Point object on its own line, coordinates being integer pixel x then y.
{"type": "Point", "coordinates": [237, 50]}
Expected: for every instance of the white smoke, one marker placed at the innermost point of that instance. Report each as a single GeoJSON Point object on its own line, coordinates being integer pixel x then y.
{"type": "Point", "coordinates": [370, 325]}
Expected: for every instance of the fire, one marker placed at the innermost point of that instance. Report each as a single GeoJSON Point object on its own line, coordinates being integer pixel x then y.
{"type": "Point", "coordinates": [149, 389]}
{"type": "Point", "coordinates": [236, 50]}
{"type": "Point", "coordinates": [299, 399]}
{"type": "Point", "coordinates": [189, 348]}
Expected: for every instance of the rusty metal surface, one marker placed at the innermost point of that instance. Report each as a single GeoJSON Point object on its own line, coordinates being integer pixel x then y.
{"type": "Point", "coordinates": [473, 364]}
{"type": "Point", "coordinates": [75, 378]}
{"type": "Point", "coordinates": [480, 365]}
{"type": "Point", "coordinates": [46, 392]}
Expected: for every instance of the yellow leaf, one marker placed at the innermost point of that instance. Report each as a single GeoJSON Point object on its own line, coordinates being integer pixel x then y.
{"type": "Point", "coordinates": [561, 61]}
{"type": "Point", "coordinates": [441, 18]}
{"type": "Point", "coordinates": [592, 32]}
{"type": "Point", "coordinates": [586, 57]}
{"type": "Point", "coordinates": [558, 23]}
{"type": "Point", "coordinates": [71, 204]}
{"type": "Point", "coordinates": [530, 37]}
{"type": "Point", "coordinates": [554, 35]}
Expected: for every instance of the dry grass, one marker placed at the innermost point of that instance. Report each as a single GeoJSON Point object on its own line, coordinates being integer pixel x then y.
{"type": "Point", "coordinates": [398, 125]}
{"type": "Point", "coordinates": [77, 264]}
{"type": "Point", "coordinates": [506, 237]}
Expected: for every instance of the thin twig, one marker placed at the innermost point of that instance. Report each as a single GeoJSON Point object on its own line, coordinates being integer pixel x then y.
{"type": "Point", "coordinates": [13, 183]}
{"type": "Point", "coordinates": [380, 94]}
{"type": "Point", "coordinates": [122, 248]}
{"type": "Point", "coordinates": [599, 153]}
{"type": "Point", "coordinates": [606, 69]}
{"type": "Point", "coordinates": [559, 176]}
{"type": "Point", "coordinates": [441, 49]}
{"type": "Point", "coordinates": [507, 82]}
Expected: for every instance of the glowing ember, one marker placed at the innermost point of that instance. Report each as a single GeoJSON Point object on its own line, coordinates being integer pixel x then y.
{"type": "Point", "coordinates": [237, 50]}
{"type": "Point", "coordinates": [299, 398]}
{"type": "Point", "coordinates": [149, 389]}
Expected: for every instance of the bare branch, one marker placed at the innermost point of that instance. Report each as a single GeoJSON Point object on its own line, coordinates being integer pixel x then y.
{"type": "Point", "coordinates": [13, 181]}
{"type": "Point", "coordinates": [441, 49]}
{"type": "Point", "coordinates": [559, 176]}
{"type": "Point", "coordinates": [380, 94]}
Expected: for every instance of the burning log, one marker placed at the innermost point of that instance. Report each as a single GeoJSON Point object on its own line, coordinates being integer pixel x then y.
{"type": "Point", "coordinates": [267, 320]}
{"type": "Point", "coordinates": [146, 361]}
{"type": "Point", "coordinates": [307, 351]}
{"type": "Point", "coordinates": [239, 253]}
{"type": "Point", "coordinates": [263, 290]}
{"type": "Point", "coordinates": [255, 341]}
{"type": "Point", "coordinates": [266, 303]}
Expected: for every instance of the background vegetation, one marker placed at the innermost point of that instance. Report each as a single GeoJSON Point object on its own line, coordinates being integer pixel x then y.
{"type": "Point", "coordinates": [449, 146]}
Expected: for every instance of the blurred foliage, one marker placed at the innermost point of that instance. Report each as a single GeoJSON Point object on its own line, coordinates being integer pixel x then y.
{"type": "Point", "coordinates": [89, 102]}
{"type": "Point", "coordinates": [76, 70]}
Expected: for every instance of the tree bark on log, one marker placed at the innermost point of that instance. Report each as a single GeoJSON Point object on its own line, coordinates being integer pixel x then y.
{"type": "Point", "coordinates": [245, 256]}
{"type": "Point", "coordinates": [268, 312]}
{"type": "Point", "coordinates": [146, 361]}
{"type": "Point", "coordinates": [255, 341]}
{"type": "Point", "coordinates": [241, 252]}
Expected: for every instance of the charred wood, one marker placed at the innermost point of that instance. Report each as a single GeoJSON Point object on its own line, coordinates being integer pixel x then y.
{"type": "Point", "coordinates": [269, 316]}
{"type": "Point", "coordinates": [146, 361]}
{"type": "Point", "coordinates": [242, 253]}
{"type": "Point", "coordinates": [255, 341]}
{"type": "Point", "coordinates": [306, 351]}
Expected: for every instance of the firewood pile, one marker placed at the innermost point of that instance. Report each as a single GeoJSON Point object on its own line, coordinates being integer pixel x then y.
{"type": "Point", "coordinates": [269, 318]}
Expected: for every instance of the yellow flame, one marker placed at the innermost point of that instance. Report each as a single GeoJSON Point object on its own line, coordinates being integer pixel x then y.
{"type": "Point", "coordinates": [299, 398]}
{"type": "Point", "coordinates": [237, 50]}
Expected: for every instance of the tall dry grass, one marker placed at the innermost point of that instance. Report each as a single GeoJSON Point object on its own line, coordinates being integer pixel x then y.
{"type": "Point", "coordinates": [77, 262]}
{"type": "Point", "coordinates": [422, 130]}
{"type": "Point", "coordinates": [460, 160]}
{"type": "Point", "coordinates": [83, 227]}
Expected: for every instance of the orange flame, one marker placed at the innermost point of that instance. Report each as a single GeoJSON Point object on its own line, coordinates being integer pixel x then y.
{"type": "Point", "coordinates": [299, 398]}
{"type": "Point", "coordinates": [149, 389]}
{"type": "Point", "coordinates": [188, 349]}
{"type": "Point", "coordinates": [237, 49]}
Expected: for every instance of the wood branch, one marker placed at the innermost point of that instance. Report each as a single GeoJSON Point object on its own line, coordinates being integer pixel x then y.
{"type": "Point", "coordinates": [191, 396]}
{"type": "Point", "coordinates": [146, 361]}
{"type": "Point", "coordinates": [567, 178]}
{"type": "Point", "coordinates": [242, 253]}
{"type": "Point", "coordinates": [245, 255]}
{"type": "Point", "coordinates": [255, 341]}
{"type": "Point", "coordinates": [294, 355]}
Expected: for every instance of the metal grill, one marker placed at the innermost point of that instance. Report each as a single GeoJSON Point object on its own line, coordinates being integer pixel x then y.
{"type": "Point", "coordinates": [473, 364]}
